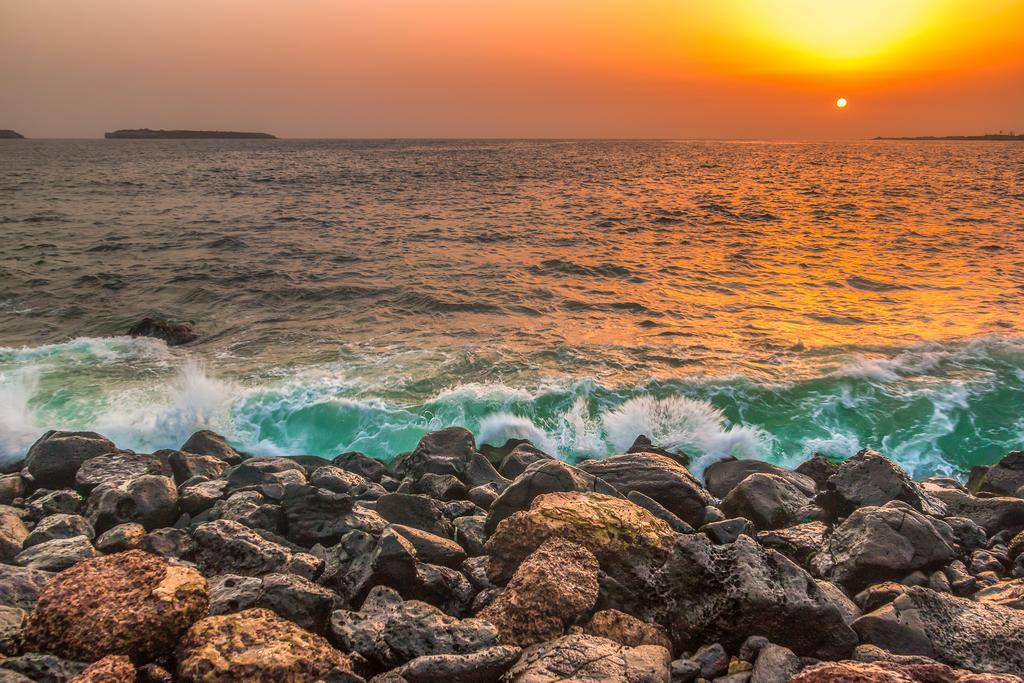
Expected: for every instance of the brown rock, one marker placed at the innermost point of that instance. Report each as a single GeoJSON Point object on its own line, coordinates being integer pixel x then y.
{"type": "Point", "coordinates": [110, 669]}
{"type": "Point", "coordinates": [12, 534]}
{"type": "Point", "coordinates": [554, 586]}
{"type": "Point", "coordinates": [255, 645]}
{"type": "Point", "coordinates": [626, 629]}
{"type": "Point", "coordinates": [131, 603]}
{"type": "Point", "coordinates": [852, 672]}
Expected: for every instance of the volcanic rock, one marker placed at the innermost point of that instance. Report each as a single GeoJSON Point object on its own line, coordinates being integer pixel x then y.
{"type": "Point", "coordinates": [54, 459]}
{"type": "Point", "coordinates": [589, 658]}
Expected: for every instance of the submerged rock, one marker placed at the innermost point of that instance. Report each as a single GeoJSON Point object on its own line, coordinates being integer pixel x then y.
{"type": "Point", "coordinates": [173, 334]}
{"type": "Point", "coordinates": [130, 603]}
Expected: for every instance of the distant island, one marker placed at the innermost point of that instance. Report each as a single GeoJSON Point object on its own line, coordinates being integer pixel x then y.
{"type": "Point", "coordinates": [986, 136]}
{"type": "Point", "coordinates": [149, 134]}
{"type": "Point", "coordinates": [10, 135]}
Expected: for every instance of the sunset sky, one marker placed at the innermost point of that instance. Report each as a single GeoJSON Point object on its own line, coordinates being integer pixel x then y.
{"type": "Point", "coordinates": [515, 68]}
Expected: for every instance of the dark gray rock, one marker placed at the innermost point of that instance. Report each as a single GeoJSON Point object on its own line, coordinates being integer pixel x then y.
{"type": "Point", "coordinates": [471, 534]}
{"type": "Point", "coordinates": [871, 479]}
{"type": "Point", "coordinates": [195, 498]}
{"type": "Point", "coordinates": [879, 543]}
{"type": "Point", "coordinates": [959, 632]}
{"type": "Point", "coordinates": [151, 500]}
{"type": "Point", "coordinates": [273, 477]}
{"type": "Point", "coordinates": [56, 555]}
{"type": "Point", "coordinates": [340, 480]}
{"type": "Point", "coordinates": [723, 476]}
{"type": "Point", "coordinates": [483, 496]}
{"type": "Point", "coordinates": [315, 515]}
{"type": "Point", "coordinates": [417, 511]}
{"type": "Point", "coordinates": [44, 503]}
{"type": "Point", "coordinates": [725, 593]}
{"type": "Point", "coordinates": [432, 548]}
{"type": "Point", "coordinates": [291, 597]}
{"type": "Point", "coordinates": [360, 464]}
{"type": "Point", "coordinates": [657, 477]}
{"type": "Point", "coordinates": [59, 526]}
{"type": "Point", "coordinates": [226, 547]}
{"type": "Point", "coordinates": [20, 586]}
{"type": "Point", "coordinates": [175, 543]}
{"type": "Point", "coordinates": [171, 333]}
{"type": "Point", "coordinates": [799, 543]}
{"type": "Point", "coordinates": [767, 500]}
{"type": "Point", "coordinates": [659, 511]}
{"type": "Point", "coordinates": [54, 459]}
{"type": "Point", "coordinates": [1005, 478]}
{"type": "Point", "coordinates": [441, 487]}
{"type": "Point", "coordinates": [118, 468]}
{"type": "Point", "coordinates": [205, 442]}
{"type": "Point", "coordinates": [819, 468]}
{"type": "Point", "coordinates": [519, 458]}
{"type": "Point", "coordinates": [728, 530]}
{"type": "Point", "coordinates": [42, 668]}
{"type": "Point", "coordinates": [185, 466]}
{"type": "Point", "coordinates": [543, 476]}
{"type": "Point", "coordinates": [994, 514]}
{"type": "Point", "coordinates": [250, 508]}
{"type": "Point", "coordinates": [482, 666]}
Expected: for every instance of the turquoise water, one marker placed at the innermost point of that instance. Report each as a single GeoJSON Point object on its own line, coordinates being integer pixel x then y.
{"type": "Point", "coordinates": [766, 300]}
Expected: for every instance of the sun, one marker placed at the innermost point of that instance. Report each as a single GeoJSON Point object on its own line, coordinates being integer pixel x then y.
{"type": "Point", "coordinates": [841, 103]}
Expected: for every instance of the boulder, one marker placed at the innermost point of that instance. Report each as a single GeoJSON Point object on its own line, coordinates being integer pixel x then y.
{"type": "Point", "coordinates": [627, 540]}
{"type": "Point", "coordinates": [205, 442]}
{"type": "Point", "coordinates": [430, 548]}
{"type": "Point", "coordinates": [482, 666]}
{"type": "Point", "coordinates": [1008, 593]}
{"type": "Point", "coordinates": [657, 477]}
{"type": "Point", "coordinates": [591, 659]}
{"type": "Point", "coordinates": [852, 672]}
{"type": "Point", "coordinates": [121, 537]}
{"type": "Point", "coordinates": [35, 666]}
{"type": "Point", "coordinates": [879, 543]}
{"type": "Point", "coordinates": [110, 669]}
{"type": "Point", "coordinates": [250, 508]}
{"type": "Point", "coordinates": [767, 500]}
{"type": "Point", "coordinates": [172, 543]}
{"type": "Point", "coordinates": [519, 458]}
{"type": "Point", "coordinates": [445, 451]}
{"type": "Point", "coordinates": [59, 526]}
{"type": "Point", "coordinates": [340, 480]}
{"type": "Point", "coordinates": [956, 631]}
{"type": "Point", "coordinates": [151, 500]}
{"type": "Point", "coordinates": [543, 476]}
{"type": "Point", "coordinates": [13, 533]}
{"type": "Point", "coordinates": [625, 629]}
{"type": "Point", "coordinates": [819, 468]}
{"type": "Point", "coordinates": [185, 466]}
{"type": "Point", "coordinates": [255, 645]}
{"type": "Point", "coordinates": [390, 631]}
{"type": "Point", "coordinates": [54, 459]}
{"type": "Point", "coordinates": [11, 621]}
{"type": "Point", "coordinates": [44, 503]}
{"type": "Point", "coordinates": [315, 515]}
{"type": "Point", "coordinates": [994, 514]}
{"type": "Point", "coordinates": [118, 468]}
{"type": "Point", "coordinates": [775, 664]}
{"type": "Point", "coordinates": [362, 465]}
{"type": "Point", "coordinates": [1005, 478]}
{"type": "Point", "coordinates": [871, 479]}
{"type": "Point", "coordinates": [725, 593]}
{"type": "Point", "coordinates": [728, 530]}
{"type": "Point", "coordinates": [642, 444]}
{"type": "Point", "coordinates": [20, 586]}
{"type": "Point", "coordinates": [56, 555]}
{"type": "Point", "coordinates": [270, 476]}
{"type": "Point", "coordinates": [12, 487]}
{"type": "Point", "coordinates": [799, 543]}
{"type": "Point", "coordinates": [289, 596]}
{"type": "Point", "coordinates": [723, 476]}
{"type": "Point", "coordinates": [441, 487]}
{"type": "Point", "coordinates": [471, 534]}
{"type": "Point", "coordinates": [659, 511]}
{"type": "Point", "coordinates": [416, 511]}
{"type": "Point", "coordinates": [226, 547]}
{"type": "Point", "coordinates": [195, 498]}
{"type": "Point", "coordinates": [551, 589]}
{"type": "Point", "coordinates": [131, 603]}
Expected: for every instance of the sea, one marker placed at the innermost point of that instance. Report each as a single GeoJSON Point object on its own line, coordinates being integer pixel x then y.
{"type": "Point", "coordinates": [756, 299]}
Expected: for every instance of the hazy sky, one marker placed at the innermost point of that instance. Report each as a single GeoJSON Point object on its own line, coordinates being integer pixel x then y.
{"type": "Point", "coordinates": [513, 68]}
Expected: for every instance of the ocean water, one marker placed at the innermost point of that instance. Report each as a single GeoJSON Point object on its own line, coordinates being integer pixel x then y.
{"type": "Point", "coordinates": [759, 299]}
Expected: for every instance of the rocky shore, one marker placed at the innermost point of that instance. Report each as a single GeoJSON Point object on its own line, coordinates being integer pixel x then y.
{"type": "Point", "coordinates": [464, 564]}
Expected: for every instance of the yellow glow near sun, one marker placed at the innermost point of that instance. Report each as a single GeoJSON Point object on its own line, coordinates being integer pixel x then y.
{"type": "Point", "coordinates": [841, 102]}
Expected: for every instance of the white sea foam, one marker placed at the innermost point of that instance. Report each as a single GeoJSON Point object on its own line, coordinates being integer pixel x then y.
{"type": "Point", "coordinates": [18, 427]}
{"type": "Point", "coordinates": [497, 428]}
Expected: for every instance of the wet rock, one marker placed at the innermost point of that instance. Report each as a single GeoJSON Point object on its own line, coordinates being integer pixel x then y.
{"type": "Point", "coordinates": [819, 468]}
{"type": "Point", "coordinates": [979, 637]}
{"type": "Point", "coordinates": [20, 586]}
{"type": "Point", "coordinates": [185, 466]}
{"type": "Point", "coordinates": [416, 511]}
{"type": "Point", "coordinates": [798, 543]}
{"type": "Point", "coordinates": [391, 631]}
{"type": "Point", "coordinates": [54, 459]}
{"type": "Point", "coordinates": [121, 537]}
{"type": "Point", "coordinates": [430, 548]}
{"type": "Point", "coordinates": [871, 479]}
{"type": "Point", "coordinates": [131, 603]}
{"type": "Point", "coordinates": [172, 334]}
{"type": "Point", "coordinates": [661, 479]}
{"type": "Point", "coordinates": [61, 501]}
{"type": "Point", "coordinates": [44, 668]}
{"type": "Point", "coordinates": [196, 498]}
{"type": "Point", "coordinates": [315, 515]}
{"type": "Point", "coordinates": [551, 589]}
{"type": "Point", "coordinates": [767, 500]}
{"type": "Point", "coordinates": [11, 621]}
{"type": "Point", "coordinates": [482, 666]}
{"type": "Point", "coordinates": [446, 451]}
{"type": "Point", "coordinates": [625, 629]}
{"type": "Point", "coordinates": [13, 533]}
{"type": "Point", "coordinates": [360, 464]}
{"type": "Point", "coordinates": [723, 476]}
{"type": "Point", "coordinates": [775, 664]}
{"type": "Point", "coordinates": [110, 669]}
{"type": "Point", "coordinates": [627, 540]}
{"type": "Point", "coordinates": [1005, 478]}
{"type": "Point", "coordinates": [117, 468]}
{"type": "Point", "coordinates": [289, 596]}
{"type": "Point", "coordinates": [340, 480]}
{"type": "Point", "coordinates": [541, 477]}
{"type": "Point", "coordinates": [56, 555]}
{"type": "Point", "coordinates": [205, 442]}
{"type": "Point", "coordinates": [254, 645]}
{"type": "Point", "coordinates": [521, 457]}
{"type": "Point", "coordinates": [588, 658]}
{"type": "Point", "coordinates": [659, 511]}
{"type": "Point", "coordinates": [226, 547]}
{"type": "Point", "coordinates": [151, 500]}
{"type": "Point", "coordinates": [879, 543]}
{"type": "Point", "coordinates": [725, 593]}
{"type": "Point", "coordinates": [59, 526]}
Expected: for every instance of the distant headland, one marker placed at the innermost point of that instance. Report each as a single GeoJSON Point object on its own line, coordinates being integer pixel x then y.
{"type": "Point", "coordinates": [149, 134]}
{"type": "Point", "coordinates": [10, 135]}
{"type": "Point", "coordinates": [987, 136]}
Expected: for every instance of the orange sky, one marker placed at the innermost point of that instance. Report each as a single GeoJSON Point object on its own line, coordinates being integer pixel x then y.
{"type": "Point", "coordinates": [514, 68]}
